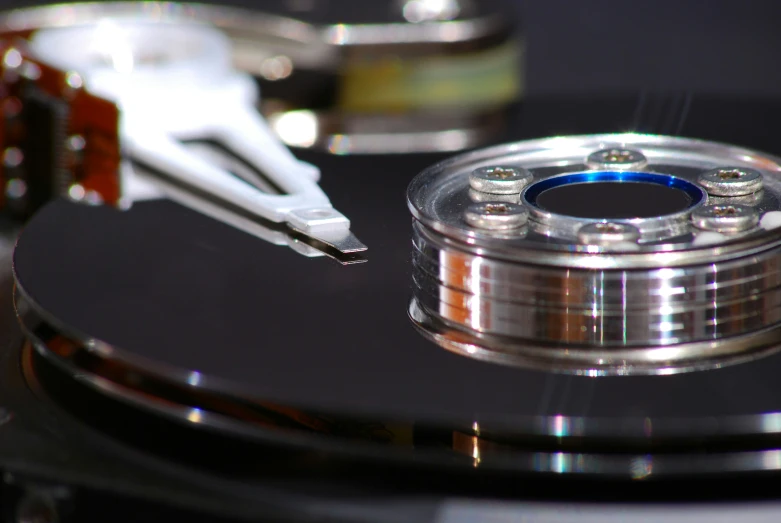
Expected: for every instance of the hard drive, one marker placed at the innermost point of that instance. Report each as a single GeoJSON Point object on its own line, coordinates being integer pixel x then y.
{"type": "Point", "coordinates": [579, 320]}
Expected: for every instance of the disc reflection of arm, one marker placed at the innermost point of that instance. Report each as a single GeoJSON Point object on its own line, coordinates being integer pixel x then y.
{"type": "Point", "coordinates": [175, 82]}
{"type": "Point", "coordinates": [213, 209]}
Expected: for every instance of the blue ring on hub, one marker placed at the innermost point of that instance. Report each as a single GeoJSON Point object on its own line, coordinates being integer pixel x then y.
{"type": "Point", "coordinates": [532, 192]}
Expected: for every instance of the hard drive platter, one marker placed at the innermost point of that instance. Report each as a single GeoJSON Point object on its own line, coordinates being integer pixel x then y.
{"type": "Point", "coordinates": [183, 318]}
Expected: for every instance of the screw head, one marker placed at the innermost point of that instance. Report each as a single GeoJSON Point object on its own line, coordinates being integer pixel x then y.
{"type": "Point", "coordinates": [477, 196]}
{"type": "Point", "coordinates": [731, 181]}
{"type": "Point", "coordinates": [499, 180]}
{"type": "Point", "coordinates": [616, 158]}
{"type": "Point", "coordinates": [496, 216]}
{"type": "Point", "coordinates": [725, 218]}
{"type": "Point", "coordinates": [607, 233]}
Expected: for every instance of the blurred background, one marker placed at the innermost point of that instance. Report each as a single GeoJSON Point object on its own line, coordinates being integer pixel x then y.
{"type": "Point", "coordinates": [337, 85]}
{"type": "Point", "coordinates": [718, 46]}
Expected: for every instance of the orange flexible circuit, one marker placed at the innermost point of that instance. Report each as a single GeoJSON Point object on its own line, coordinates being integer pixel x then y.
{"type": "Point", "coordinates": [56, 137]}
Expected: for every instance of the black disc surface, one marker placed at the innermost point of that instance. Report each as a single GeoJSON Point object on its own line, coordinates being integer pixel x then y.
{"type": "Point", "coordinates": [175, 287]}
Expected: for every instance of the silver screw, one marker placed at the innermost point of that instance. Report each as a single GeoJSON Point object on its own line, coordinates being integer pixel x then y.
{"type": "Point", "coordinates": [477, 196]}
{"type": "Point", "coordinates": [731, 181]}
{"type": "Point", "coordinates": [744, 199]}
{"type": "Point", "coordinates": [608, 233]}
{"type": "Point", "coordinates": [499, 180]}
{"type": "Point", "coordinates": [496, 216]}
{"type": "Point", "coordinates": [616, 158]}
{"type": "Point", "coordinates": [725, 218]}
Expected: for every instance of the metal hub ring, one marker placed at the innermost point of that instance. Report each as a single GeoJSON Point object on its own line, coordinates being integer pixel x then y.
{"type": "Point", "coordinates": [587, 289]}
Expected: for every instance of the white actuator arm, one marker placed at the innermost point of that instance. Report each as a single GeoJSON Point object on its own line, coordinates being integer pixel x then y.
{"type": "Point", "coordinates": [175, 82]}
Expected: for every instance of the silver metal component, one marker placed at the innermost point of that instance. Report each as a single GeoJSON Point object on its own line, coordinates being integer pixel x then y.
{"type": "Point", "coordinates": [499, 180]}
{"type": "Point", "coordinates": [678, 299]}
{"type": "Point", "coordinates": [477, 196]}
{"type": "Point", "coordinates": [345, 243]}
{"type": "Point", "coordinates": [607, 233]}
{"type": "Point", "coordinates": [324, 225]}
{"type": "Point", "coordinates": [654, 229]}
{"type": "Point", "coordinates": [731, 181]}
{"type": "Point", "coordinates": [496, 216]}
{"type": "Point", "coordinates": [725, 218]}
{"type": "Point", "coordinates": [752, 199]}
{"type": "Point", "coordinates": [418, 11]}
{"type": "Point", "coordinates": [616, 158]}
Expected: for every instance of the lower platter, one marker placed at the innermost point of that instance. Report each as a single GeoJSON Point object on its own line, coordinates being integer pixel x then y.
{"type": "Point", "coordinates": [554, 446]}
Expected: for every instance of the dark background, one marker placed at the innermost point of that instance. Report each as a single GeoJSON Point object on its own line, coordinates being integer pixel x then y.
{"type": "Point", "coordinates": [716, 46]}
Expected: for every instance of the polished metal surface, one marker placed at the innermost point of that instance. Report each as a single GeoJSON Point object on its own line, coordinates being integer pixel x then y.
{"type": "Point", "coordinates": [479, 197]}
{"type": "Point", "coordinates": [725, 218]}
{"type": "Point", "coordinates": [616, 158]}
{"type": "Point", "coordinates": [437, 195]}
{"type": "Point", "coordinates": [496, 216]}
{"type": "Point", "coordinates": [731, 181]}
{"type": "Point", "coordinates": [499, 180]}
{"type": "Point", "coordinates": [652, 228]}
{"type": "Point", "coordinates": [556, 299]}
{"type": "Point", "coordinates": [609, 233]}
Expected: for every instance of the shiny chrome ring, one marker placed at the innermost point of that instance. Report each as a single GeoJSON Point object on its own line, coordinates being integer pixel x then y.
{"type": "Point", "coordinates": [675, 302]}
